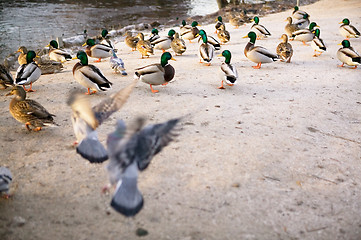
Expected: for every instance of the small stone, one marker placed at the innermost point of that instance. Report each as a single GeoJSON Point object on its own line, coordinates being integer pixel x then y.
{"type": "Point", "coordinates": [19, 221]}
{"type": "Point", "coordinates": [236, 185]}
{"type": "Point", "coordinates": [141, 232]}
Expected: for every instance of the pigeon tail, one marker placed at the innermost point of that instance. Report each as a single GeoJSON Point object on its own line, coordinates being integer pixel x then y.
{"type": "Point", "coordinates": [127, 199]}
{"type": "Point", "coordinates": [91, 149]}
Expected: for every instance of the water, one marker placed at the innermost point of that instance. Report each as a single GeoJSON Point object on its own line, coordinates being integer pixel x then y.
{"type": "Point", "coordinates": [34, 23]}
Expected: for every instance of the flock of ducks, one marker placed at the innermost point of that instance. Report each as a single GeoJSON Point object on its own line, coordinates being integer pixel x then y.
{"type": "Point", "coordinates": [130, 153]}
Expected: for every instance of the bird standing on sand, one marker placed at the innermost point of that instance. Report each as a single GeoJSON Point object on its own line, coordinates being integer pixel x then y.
{"type": "Point", "coordinates": [178, 45]}
{"type": "Point", "coordinates": [347, 30]}
{"type": "Point", "coordinates": [86, 119]}
{"type": "Point", "coordinates": [89, 75]}
{"type": "Point", "coordinates": [131, 153]}
{"type": "Point", "coordinates": [143, 46]}
{"type": "Point", "coordinates": [99, 51]}
{"type": "Point", "coordinates": [206, 50]}
{"type": "Point", "coordinates": [28, 73]}
{"type": "Point", "coordinates": [284, 49]}
{"type": "Point", "coordinates": [28, 111]}
{"type": "Point", "coordinates": [22, 57]}
{"type": "Point", "coordinates": [192, 33]}
{"type": "Point", "coordinates": [156, 74]}
{"type": "Point", "coordinates": [347, 55]}
{"type": "Point", "coordinates": [260, 30]}
{"type": "Point", "coordinates": [304, 35]}
{"type": "Point", "coordinates": [317, 43]}
{"type": "Point", "coordinates": [258, 54]}
{"type": "Point", "coordinates": [131, 41]}
{"type": "Point", "coordinates": [298, 14]}
{"type": "Point", "coordinates": [57, 54]}
{"type": "Point", "coordinates": [6, 79]}
{"type": "Point", "coordinates": [117, 64]}
{"type": "Point", "coordinates": [229, 73]}
{"type": "Point", "coordinates": [5, 180]}
{"type": "Point", "coordinates": [163, 43]}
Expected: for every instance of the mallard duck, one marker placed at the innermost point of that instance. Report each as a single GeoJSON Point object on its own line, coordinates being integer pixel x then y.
{"type": "Point", "coordinates": [184, 27]}
{"type": "Point", "coordinates": [347, 30]}
{"type": "Point", "coordinates": [259, 29]}
{"type": "Point", "coordinates": [228, 71]}
{"type": "Point", "coordinates": [131, 41]}
{"type": "Point", "coordinates": [89, 75]}
{"type": "Point", "coordinates": [258, 54]}
{"type": "Point", "coordinates": [303, 23]}
{"type": "Point", "coordinates": [347, 55]}
{"type": "Point", "coordinates": [6, 79]}
{"type": "Point", "coordinates": [284, 49]}
{"type": "Point", "coordinates": [154, 35]}
{"type": "Point", "coordinates": [22, 57]}
{"type": "Point", "coordinates": [191, 33]}
{"type": "Point", "coordinates": [105, 39]}
{"type": "Point", "coordinates": [157, 74]}
{"type": "Point", "coordinates": [236, 21]}
{"type": "Point", "coordinates": [210, 39]}
{"type": "Point", "coordinates": [304, 35]}
{"type": "Point", "coordinates": [297, 13]}
{"type": "Point", "coordinates": [144, 47]}
{"type": "Point", "coordinates": [206, 50]}
{"type": "Point", "coordinates": [48, 66]}
{"type": "Point", "coordinates": [57, 54]}
{"type": "Point", "coordinates": [163, 43]}
{"type": "Point", "coordinates": [178, 45]}
{"type": "Point", "coordinates": [219, 23]}
{"type": "Point", "coordinates": [97, 50]}
{"type": "Point", "coordinates": [28, 73]}
{"type": "Point", "coordinates": [317, 43]}
{"type": "Point", "coordinates": [28, 111]}
{"type": "Point", "coordinates": [117, 64]}
{"type": "Point", "coordinates": [223, 35]}
{"type": "Point", "coordinates": [290, 27]}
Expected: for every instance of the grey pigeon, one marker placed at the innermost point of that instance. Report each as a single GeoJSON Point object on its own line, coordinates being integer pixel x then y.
{"type": "Point", "coordinates": [117, 64]}
{"type": "Point", "coordinates": [5, 180]}
{"type": "Point", "coordinates": [86, 119]}
{"type": "Point", "coordinates": [131, 153]}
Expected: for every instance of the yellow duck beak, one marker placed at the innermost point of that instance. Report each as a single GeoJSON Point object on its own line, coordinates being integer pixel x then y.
{"type": "Point", "coordinates": [339, 44]}
{"type": "Point", "coordinates": [173, 59]}
{"type": "Point", "coordinates": [84, 44]}
{"type": "Point", "coordinates": [245, 36]}
{"type": "Point", "coordinates": [340, 22]}
{"type": "Point", "coordinates": [219, 55]}
{"type": "Point", "coordinates": [74, 58]}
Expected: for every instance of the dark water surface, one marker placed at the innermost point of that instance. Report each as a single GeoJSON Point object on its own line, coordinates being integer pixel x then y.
{"type": "Point", "coordinates": [34, 23]}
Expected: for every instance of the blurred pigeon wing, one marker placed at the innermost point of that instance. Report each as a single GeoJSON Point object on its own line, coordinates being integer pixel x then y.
{"type": "Point", "coordinates": [91, 149]}
{"type": "Point", "coordinates": [151, 140]}
{"type": "Point", "coordinates": [82, 109]}
{"type": "Point", "coordinates": [107, 107]}
{"type": "Point", "coordinates": [127, 199]}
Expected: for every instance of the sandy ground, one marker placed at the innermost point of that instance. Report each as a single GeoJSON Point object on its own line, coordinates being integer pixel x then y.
{"type": "Point", "coordinates": [275, 157]}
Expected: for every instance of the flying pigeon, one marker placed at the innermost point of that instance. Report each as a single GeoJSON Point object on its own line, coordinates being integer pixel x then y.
{"type": "Point", "coordinates": [131, 153]}
{"type": "Point", "coordinates": [5, 180]}
{"type": "Point", "coordinates": [86, 119]}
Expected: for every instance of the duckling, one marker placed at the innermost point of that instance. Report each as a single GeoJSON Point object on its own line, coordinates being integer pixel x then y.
{"type": "Point", "coordinates": [22, 57]}
{"type": "Point", "coordinates": [219, 23]}
{"type": "Point", "coordinates": [347, 30]}
{"type": "Point", "coordinates": [298, 14]}
{"type": "Point", "coordinates": [57, 54]}
{"type": "Point", "coordinates": [191, 33]}
{"type": "Point", "coordinates": [131, 41]}
{"type": "Point", "coordinates": [48, 66]}
{"type": "Point", "coordinates": [157, 74]}
{"type": "Point", "coordinates": [89, 75]}
{"type": "Point", "coordinates": [304, 35]}
{"type": "Point", "coordinates": [178, 45]}
{"type": "Point", "coordinates": [303, 23]}
{"type": "Point", "coordinates": [258, 54]}
{"type": "Point", "coordinates": [105, 40]}
{"type": "Point", "coordinates": [97, 50]}
{"type": "Point", "coordinates": [6, 79]}
{"type": "Point", "coordinates": [290, 27]}
{"type": "Point", "coordinates": [163, 43]}
{"type": "Point", "coordinates": [117, 64]}
{"type": "Point", "coordinates": [228, 71]}
{"type": "Point", "coordinates": [211, 40]}
{"type": "Point", "coordinates": [284, 49]}
{"type": "Point", "coordinates": [347, 55]}
{"type": "Point", "coordinates": [184, 28]}
{"type": "Point", "coordinates": [154, 35]}
{"type": "Point", "coordinates": [223, 35]}
{"type": "Point", "coordinates": [206, 50]}
{"type": "Point", "coordinates": [28, 73]}
{"type": "Point", "coordinates": [144, 47]}
{"type": "Point", "coordinates": [28, 111]}
{"type": "Point", "coordinates": [259, 29]}
{"type": "Point", "coordinates": [317, 43]}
